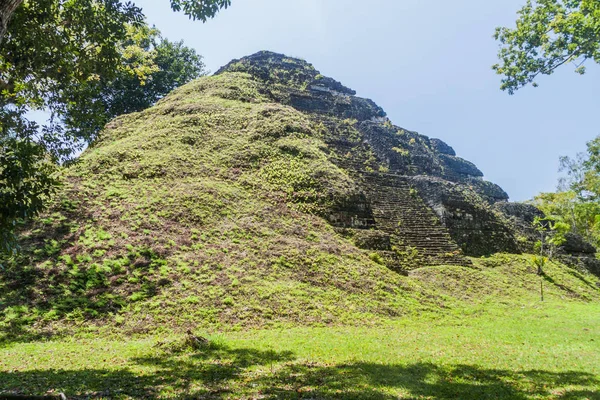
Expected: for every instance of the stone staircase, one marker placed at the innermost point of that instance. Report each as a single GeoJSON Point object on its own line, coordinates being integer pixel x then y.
{"type": "Point", "coordinates": [388, 216]}
{"type": "Point", "coordinates": [415, 229]}
{"type": "Point", "coordinates": [402, 229]}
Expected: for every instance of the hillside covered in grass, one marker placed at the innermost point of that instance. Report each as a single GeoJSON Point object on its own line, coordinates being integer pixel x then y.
{"type": "Point", "coordinates": [488, 338]}
{"type": "Point", "coordinates": [266, 195]}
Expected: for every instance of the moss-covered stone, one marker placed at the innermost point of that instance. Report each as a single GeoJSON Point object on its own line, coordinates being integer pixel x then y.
{"type": "Point", "coordinates": [264, 195]}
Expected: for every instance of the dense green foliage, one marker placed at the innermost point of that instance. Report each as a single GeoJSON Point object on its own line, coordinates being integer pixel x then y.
{"type": "Point", "coordinates": [582, 216]}
{"type": "Point", "coordinates": [83, 62]}
{"type": "Point", "coordinates": [50, 49]}
{"type": "Point", "coordinates": [53, 47]}
{"type": "Point", "coordinates": [26, 181]}
{"type": "Point", "coordinates": [195, 9]}
{"type": "Point", "coordinates": [578, 204]}
{"type": "Point", "coordinates": [548, 34]}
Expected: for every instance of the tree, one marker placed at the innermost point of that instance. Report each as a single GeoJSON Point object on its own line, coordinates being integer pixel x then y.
{"type": "Point", "coordinates": [52, 48]}
{"type": "Point", "coordinates": [581, 215]}
{"type": "Point", "coordinates": [195, 9]}
{"type": "Point", "coordinates": [55, 53]}
{"type": "Point", "coordinates": [577, 203]}
{"type": "Point", "coordinates": [49, 49]}
{"type": "Point", "coordinates": [552, 234]}
{"type": "Point", "coordinates": [548, 34]}
{"type": "Point", "coordinates": [26, 180]}
{"type": "Point", "coordinates": [169, 65]}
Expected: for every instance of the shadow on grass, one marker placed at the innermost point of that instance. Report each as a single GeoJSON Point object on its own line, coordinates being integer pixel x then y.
{"type": "Point", "coordinates": [426, 380]}
{"type": "Point", "coordinates": [208, 373]}
{"type": "Point", "coordinates": [221, 372]}
{"type": "Point", "coordinates": [67, 271]}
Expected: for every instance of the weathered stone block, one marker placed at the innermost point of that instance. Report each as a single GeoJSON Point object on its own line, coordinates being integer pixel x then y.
{"type": "Point", "coordinates": [441, 147]}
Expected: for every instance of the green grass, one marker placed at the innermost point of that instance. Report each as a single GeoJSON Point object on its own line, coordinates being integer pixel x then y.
{"type": "Point", "coordinates": [547, 350]}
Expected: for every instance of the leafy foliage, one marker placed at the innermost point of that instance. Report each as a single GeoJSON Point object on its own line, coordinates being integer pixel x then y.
{"type": "Point", "coordinates": [552, 234]}
{"type": "Point", "coordinates": [548, 34]}
{"type": "Point", "coordinates": [50, 48]}
{"type": "Point", "coordinates": [578, 203]}
{"type": "Point", "coordinates": [83, 62]}
{"type": "Point", "coordinates": [581, 215]}
{"type": "Point", "coordinates": [200, 9]}
{"type": "Point", "coordinates": [26, 181]}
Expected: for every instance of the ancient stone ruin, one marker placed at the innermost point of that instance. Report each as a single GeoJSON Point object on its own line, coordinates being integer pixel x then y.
{"type": "Point", "coordinates": [416, 201]}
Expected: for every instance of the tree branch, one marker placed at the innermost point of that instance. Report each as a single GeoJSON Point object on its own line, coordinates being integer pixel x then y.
{"type": "Point", "coordinates": [7, 9]}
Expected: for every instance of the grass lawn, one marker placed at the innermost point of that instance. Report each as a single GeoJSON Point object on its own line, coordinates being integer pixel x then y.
{"type": "Point", "coordinates": [547, 350]}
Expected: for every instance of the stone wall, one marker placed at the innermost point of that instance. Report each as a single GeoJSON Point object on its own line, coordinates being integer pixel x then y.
{"type": "Point", "coordinates": [390, 217]}
{"type": "Point", "coordinates": [417, 202]}
{"type": "Point", "coordinates": [473, 224]}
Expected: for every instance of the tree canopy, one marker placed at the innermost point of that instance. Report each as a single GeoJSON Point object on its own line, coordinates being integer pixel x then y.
{"type": "Point", "coordinates": [578, 202]}
{"type": "Point", "coordinates": [167, 65]}
{"type": "Point", "coordinates": [548, 34]}
{"type": "Point", "coordinates": [82, 62]}
{"type": "Point", "coordinates": [195, 9]}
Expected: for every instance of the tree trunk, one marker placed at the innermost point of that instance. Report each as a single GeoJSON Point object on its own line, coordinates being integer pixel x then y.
{"type": "Point", "coordinates": [7, 9]}
{"type": "Point", "coordinates": [540, 271]}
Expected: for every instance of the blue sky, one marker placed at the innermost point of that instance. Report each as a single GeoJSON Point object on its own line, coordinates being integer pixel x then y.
{"type": "Point", "coordinates": [427, 63]}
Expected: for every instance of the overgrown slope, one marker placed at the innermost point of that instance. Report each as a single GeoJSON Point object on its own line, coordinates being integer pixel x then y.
{"type": "Point", "coordinates": [212, 209]}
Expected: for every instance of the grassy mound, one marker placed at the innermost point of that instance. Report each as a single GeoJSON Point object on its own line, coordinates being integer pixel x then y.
{"type": "Point", "coordinates": [205, 211]}
{"type": "Point", "coordinates": [201, 211]}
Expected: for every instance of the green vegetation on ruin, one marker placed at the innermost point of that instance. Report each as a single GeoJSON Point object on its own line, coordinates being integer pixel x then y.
{"type": "Point", "coordinates": [210, 212]}
{"type": "Point", "coordinates": [195, 211]}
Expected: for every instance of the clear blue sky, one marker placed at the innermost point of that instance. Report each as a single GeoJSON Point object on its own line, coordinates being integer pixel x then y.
{"type": "Point", "coordinates": [427, 63]}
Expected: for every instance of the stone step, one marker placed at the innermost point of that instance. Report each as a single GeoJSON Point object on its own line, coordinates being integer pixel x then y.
{"type": "Point", "coordinates": [398, 211]}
